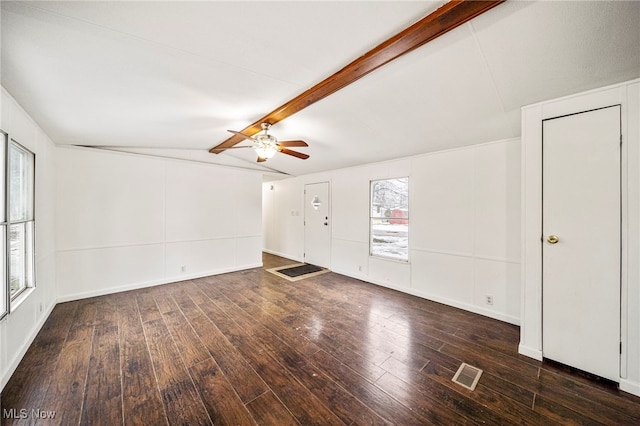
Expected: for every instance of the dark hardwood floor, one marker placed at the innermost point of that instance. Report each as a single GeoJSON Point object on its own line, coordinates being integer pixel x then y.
{"type": "Point", "coordinates": [251, 348]}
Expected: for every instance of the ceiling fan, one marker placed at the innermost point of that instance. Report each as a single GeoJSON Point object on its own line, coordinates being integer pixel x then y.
{"type": "Point", "coordinates": [267, 145]}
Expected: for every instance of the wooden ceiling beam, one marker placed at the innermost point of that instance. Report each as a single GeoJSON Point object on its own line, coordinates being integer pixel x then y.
{"type": "Point", "coordinates": [437, 23]}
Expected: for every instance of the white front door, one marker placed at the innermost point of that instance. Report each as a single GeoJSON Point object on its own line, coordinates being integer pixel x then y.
{"type": "Point", "coordinates": [581, 241]}
{"type": "Point", "coordinates": [317, 235]}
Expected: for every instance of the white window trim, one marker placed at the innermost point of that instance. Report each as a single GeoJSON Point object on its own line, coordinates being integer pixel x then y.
{"type": "Point", "coordinates": [378, 256]}
{"type": "Point", "coordinates": [14, 302]}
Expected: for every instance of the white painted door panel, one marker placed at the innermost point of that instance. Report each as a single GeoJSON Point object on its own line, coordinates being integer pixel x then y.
{"type": "Point", "coordinates": [317, 236]}
{"type": "Point", "coordinates": [581, 272]}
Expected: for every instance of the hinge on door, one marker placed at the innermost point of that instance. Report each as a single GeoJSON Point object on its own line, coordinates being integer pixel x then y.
{"type": "Point", "coordinates": [620, 347]}
{"type": "Point", "coordinates": [620, 139]}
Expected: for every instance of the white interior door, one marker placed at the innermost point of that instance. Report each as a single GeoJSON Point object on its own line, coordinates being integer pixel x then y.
{"type": "Point", "coordinates": [317, 235]}
{"type": "Point", "coordinates": [581, 268]}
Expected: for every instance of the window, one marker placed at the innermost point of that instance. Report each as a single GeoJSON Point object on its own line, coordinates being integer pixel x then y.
{"type": "Point", "coordinates": [18, 224]}
{"type": "Point", "coordinates": [21, 221]}
{"type": "Point", "coordinates": [4, 294]}
{"type": "Point", "coordinates": [389, 218]}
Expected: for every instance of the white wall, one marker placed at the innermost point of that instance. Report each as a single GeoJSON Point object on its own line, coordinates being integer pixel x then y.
{"type": "Point", "coordinates": [628, 96]}
{"type": "Point", "coordinates": [18, 329]}
{"type": "Point", "coordinates": [126, 221]}
{"type": "Point", "coordinates": [464, 236]}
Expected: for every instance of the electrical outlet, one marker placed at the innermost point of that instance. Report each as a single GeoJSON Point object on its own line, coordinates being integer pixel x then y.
{"type": "Point", "coordinates": [40, 307]}
{"type": "Point", "coordinates": [360, 268]}
{"type": "Point", "coordinates": [183, 268]}
{"type": "Point", "coordinates": [488, 299]}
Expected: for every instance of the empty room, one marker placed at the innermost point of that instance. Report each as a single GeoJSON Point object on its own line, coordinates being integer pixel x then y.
{"type": "Point", "coordinates": [320, 212]}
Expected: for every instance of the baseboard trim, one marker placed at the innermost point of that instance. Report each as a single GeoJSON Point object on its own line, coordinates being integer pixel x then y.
{"type": "Point", "coordinates": [139, 285]}
{"type": "Point", "coordinates": [530, 352]}
{"type": "Point", "coordinates": [434, 298]}
{"type": "Point", "coordinates": [630, 387]}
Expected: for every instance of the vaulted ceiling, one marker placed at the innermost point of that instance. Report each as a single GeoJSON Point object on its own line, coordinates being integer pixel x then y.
{"type": "Point", "coordinates": [169, 78]}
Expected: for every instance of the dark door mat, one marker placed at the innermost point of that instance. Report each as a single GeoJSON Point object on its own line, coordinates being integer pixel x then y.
{"type": "Point", "coordinates": [298, 271]}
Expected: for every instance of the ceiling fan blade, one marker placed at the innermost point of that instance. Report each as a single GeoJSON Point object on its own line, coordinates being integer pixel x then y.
{"type": "Point", "coordinates": [293, 143]}
{"type": "Point", "coordinates": [230, 147]}
{"type": "Point", "coordinates": [293, 153]}
{"type": "Point", "coordinates": [241, 135]}
{"type": "Point", "coordinates": [261, 160]}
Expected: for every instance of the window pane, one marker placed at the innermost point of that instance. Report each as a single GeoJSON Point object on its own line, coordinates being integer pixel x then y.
{"type": "Point", "coordinates": [4, 303]}
{"type": "Point", "coordinates": [388, 195]}
{"type": "Point", "coordinates": [390, 218]}
{"type": "Point", "coordinates": [389, 239]}
{"type": "Point", "coordinates": [21, 183]}
{"type": "Point", "coordinates": [17, 258]}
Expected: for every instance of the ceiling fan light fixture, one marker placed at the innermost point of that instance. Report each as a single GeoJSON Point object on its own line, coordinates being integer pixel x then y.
{"type": "Point", "coordinates": [265, 152]}
{"type": "Point", "coordinates": [265, 143]}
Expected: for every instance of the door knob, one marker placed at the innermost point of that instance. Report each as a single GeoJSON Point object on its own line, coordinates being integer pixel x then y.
{"type": "Point", "coordinates": [552, 239]}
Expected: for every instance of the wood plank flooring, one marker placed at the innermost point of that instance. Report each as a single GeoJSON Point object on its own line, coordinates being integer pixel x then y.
{"type": "Point", "coordinates": [250, 348]}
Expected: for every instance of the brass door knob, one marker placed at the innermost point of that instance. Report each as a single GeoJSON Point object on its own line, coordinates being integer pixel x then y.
{"type": "Point", "coordinates": [552, 239]}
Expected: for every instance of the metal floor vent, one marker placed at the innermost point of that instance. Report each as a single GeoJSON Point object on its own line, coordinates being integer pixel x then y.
{"type": "Point", "coordinates": [467, 376]}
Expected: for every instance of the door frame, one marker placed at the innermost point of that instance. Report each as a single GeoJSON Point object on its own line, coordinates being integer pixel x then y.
{"type": "Point", "coordinates": [330, 214]}
{"type": "Point", "coordinates": [531, 225]}
{"type": "Point", "coordinates": [618, 259]}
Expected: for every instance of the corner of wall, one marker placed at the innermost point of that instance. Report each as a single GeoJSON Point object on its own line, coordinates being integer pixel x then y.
{"type": "Point", "coordinates": [12, 364]}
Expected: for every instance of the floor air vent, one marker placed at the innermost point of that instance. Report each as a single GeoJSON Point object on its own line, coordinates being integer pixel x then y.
{"type": "Point", "coordinates": [467, 376]}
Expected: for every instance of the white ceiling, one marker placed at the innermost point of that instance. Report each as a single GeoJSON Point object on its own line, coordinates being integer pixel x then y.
{"type": "Point", "coordinates": [168, 78]}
